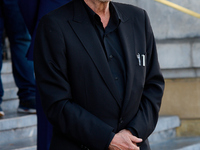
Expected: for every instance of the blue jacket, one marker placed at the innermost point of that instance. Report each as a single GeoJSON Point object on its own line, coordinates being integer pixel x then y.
{"type": "Point", "coordinates": [33, 11]}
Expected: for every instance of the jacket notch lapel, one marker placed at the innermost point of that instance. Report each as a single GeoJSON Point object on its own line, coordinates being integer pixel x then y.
{"type": "Point", "coordinates": [88, 37]}
{"type": "Point", "coordinates": [126, 33]}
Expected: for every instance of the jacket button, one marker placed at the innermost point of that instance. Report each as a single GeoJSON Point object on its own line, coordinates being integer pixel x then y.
{"type": "Point", "coordinates": [84, 147]}
{"type": "Point", "coordinates": [121, 120]}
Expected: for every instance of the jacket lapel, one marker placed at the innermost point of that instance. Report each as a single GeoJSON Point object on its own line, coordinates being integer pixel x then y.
{"type": "Point", "coordinates": [126, 33]}
{"type": "Point", "coordinates": [86, 33]}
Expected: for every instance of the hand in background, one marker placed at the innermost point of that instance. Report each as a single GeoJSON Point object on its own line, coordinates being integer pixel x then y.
{"type": "Point", "coordinates": [124, 140]}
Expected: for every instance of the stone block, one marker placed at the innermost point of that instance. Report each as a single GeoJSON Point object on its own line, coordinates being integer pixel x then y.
{"type": "Point", "coordinates": [6, 67]}
{"type": "Point", "coordinates": [10, 105]}
{"type": "Point", "coordinates": [174, 55]}
{"type": "Point", "coordinates": [181, 73]}
{"type": "Point", "coordinates": [28, 143]}
{"type": "Point", "coordinates": [14, 126]}
{"type": "Point", "coordinates": [20, 133]}
{"type": "Point", "coordinates": [133, 2]}
{"type": "Point", "coordinates": [7, 78]}
{"type": "Point", "coordinates": [181, 98]}
{"type": "Point", "coordinates": [162, 136]}
{"type": "Point", "coordinates": [189, 127]}
{"type": "Point", "coordinates": [27, 148]}
{"type": "Point", "coordinates": [196, 54]}
{"type": "Point", "coordinates": [10, 93]}
{"type": "Point", "coordinates": [167, 122]}
{"type": "Point", "coordinates": [183, 143]}
{"type": "Point", "coordinates": [182, 25]}
{"type": "Point", "coordinates": [16, 121]}
{"type": "Point", "coordinates": [198, 72]}
{"type": "Point", "coordinates": [169, 23]}
{"type": "Point", "coordinates": [165, 129]}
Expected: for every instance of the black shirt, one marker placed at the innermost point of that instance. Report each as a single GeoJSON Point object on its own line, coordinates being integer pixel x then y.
{"type": "Point", "coordinates": [112, 46]}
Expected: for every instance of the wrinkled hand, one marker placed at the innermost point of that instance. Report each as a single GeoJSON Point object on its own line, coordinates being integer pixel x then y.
{"type": "Point", "coordinates": [124, 140]}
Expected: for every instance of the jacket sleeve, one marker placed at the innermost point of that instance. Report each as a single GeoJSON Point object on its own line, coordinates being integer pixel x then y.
{"type": "Point", "coordinates": [50, 62]}
{"type": "Point", "coordinates": [144, 122]}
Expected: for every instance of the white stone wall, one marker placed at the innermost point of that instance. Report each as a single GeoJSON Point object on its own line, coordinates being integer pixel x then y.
{"type": "Point", "coordinates": [177, 35]}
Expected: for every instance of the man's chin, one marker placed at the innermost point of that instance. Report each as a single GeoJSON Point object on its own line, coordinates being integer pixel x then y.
{"type": "Point", "coordinates": [105, 0]}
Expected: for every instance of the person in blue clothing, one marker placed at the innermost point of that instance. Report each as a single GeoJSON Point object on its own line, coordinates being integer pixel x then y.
{"type": "Point", "coordinates": [33, 11]}
{"type": "Point", "coordinates": [19, 38]}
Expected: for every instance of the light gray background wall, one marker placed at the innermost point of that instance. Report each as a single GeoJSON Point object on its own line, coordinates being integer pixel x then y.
{"type": "Point", "coordinates": [177, 35]}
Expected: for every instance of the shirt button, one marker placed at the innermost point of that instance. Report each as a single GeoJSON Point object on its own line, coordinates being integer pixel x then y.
{"type": "Point", "coordinates": [111, 56]}
{"type": "Point", "coordinates": [116, 78]}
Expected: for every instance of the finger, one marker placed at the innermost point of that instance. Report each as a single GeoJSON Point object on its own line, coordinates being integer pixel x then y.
{"type": "Point", "coordinates": [135, 139]}
{"type": "Point", "coordinates": [132, 147]}
{"type": "Point", "coordinates": [136, 147]}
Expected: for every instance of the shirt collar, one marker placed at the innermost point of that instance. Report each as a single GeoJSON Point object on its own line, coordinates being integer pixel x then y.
{"type": "Point", "coordinates": [95, 18]}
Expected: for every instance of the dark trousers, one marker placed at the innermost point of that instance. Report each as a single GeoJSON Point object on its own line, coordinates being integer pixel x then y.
{"type": "Point", "coordinates": [12, 21]}
{"type": "Point", "coordinates": [44, 127]}
{"type": "Point", "coordinates": [33, 11]}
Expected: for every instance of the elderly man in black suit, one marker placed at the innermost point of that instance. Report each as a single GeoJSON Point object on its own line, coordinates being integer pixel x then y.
{"type": "Point", "coordinates": [98, 75]}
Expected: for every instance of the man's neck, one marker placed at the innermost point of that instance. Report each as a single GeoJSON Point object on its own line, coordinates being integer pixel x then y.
{"type": "Point", "coordinates": [100, 8]}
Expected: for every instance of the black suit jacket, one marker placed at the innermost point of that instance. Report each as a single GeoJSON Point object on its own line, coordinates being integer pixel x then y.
{"type": "Point", "coordinates": [76, 86]}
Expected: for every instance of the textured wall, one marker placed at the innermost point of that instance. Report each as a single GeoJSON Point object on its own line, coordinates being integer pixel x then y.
{"type": "Point", "coordinates": [170, 23]}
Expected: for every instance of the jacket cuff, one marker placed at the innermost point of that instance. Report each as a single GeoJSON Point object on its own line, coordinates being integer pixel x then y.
{"type": "Point", "coordinates": [133, 131]}
{"type": "Point", "coordinates": [110, 139]}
